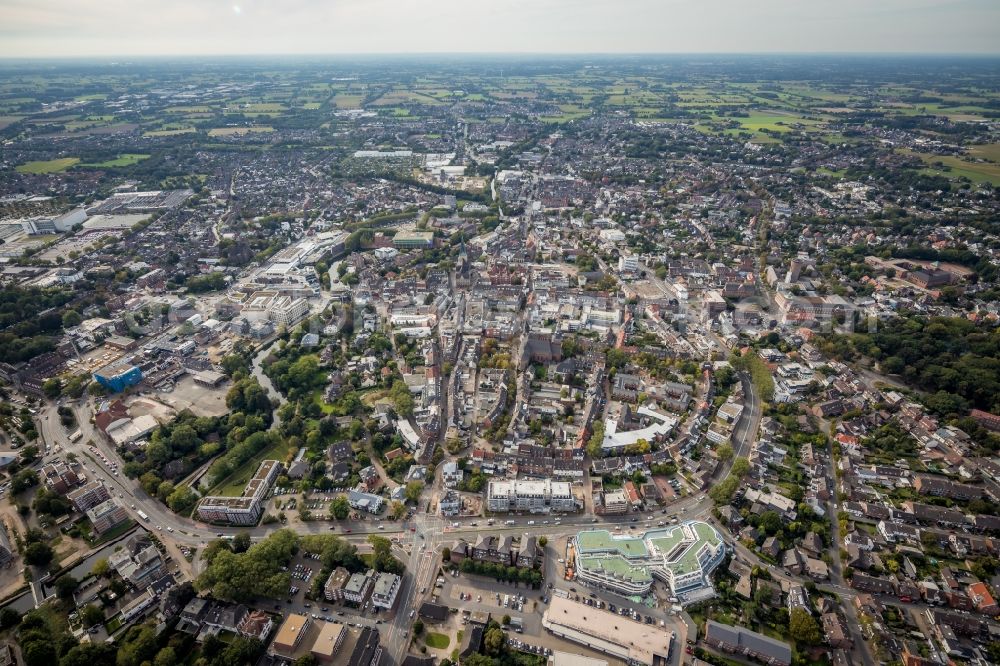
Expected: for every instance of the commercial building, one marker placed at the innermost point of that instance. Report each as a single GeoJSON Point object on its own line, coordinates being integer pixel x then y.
{"type": "Point", "coordinates": [737, 640]}
{"type": "Point", "coordinates": [614, 635]}
{"type": "Point", "coordinates": [533, 496]}
{"type": "Point", "coordinates": [244, 510]}
{"type": "Point", "coordinates": [405, 240]}
{"type": "Point", "coordinates": [107, 516]}
{"type": "Point", "coordinates": [682, 556]}
{"type": "Point", "coordinates": [385, 590]}
{"type": "Point", "coordinates": [118, 377]}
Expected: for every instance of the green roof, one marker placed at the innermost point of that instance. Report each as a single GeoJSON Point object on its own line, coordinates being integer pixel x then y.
{"type": "Point", "coordinates": [628, 557]}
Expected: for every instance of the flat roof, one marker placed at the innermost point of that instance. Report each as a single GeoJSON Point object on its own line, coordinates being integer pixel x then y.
{"type": "Point", "coordinates": [329, 635]}
{"type": "Point", "coordinates": [675, 547]}
{"type": "Point", "coordinates": [606, 631]}
{"type": "Point", "coordinates": [290, 630]}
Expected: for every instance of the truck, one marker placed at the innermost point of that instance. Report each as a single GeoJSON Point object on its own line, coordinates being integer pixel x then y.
{"type": "Point", "coordinates": [142, 514]}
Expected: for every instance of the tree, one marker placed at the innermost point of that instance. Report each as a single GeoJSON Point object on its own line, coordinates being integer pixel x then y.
{"type": "Point", "coordinates": [38, 554]}
{"type": "Point", "coordinates": [52, 387]}
{"type": "Point", "coordinates": [494, 640]}
{"type": "Point", "coordinates": [71, 318]}
{"type": "Point", "coordinates": [396, 509]}
{"type": "Point", "coordinates": [505, 620]}
{"type": "Point", "coordinates": [139, 646]}
{"type": "Point", "coordinates": [418, 627]}
{"type": "Point", "coordinates": [91, 615]}
{"type": "Point", "coordinates": [803, 627]}
{"type": "Point", "coordinates": [446, 554]}
{"type": "Point", "coordinates": [101, 567]}
{"type": "Point", "coordinates": [241, 542]}
{"type": "Point", "coordinates": [724, 452]}
{"type": "Point", "coordinates": [340, 507]}
{"type": "Point", "coordinates": [65, 587]}
{"type": "Point", "coordinates": [9, 618]}
{"type": "Point", "coordinates": [382, 558]}
{"type": "Point", "coordinates": [543, 541]}
{"type": "Point", "coordinates": [165, 657]}
{"type": "Point", "coordinates": [414, 490]}
{"type": "Point", "coordinates": [182, 500]}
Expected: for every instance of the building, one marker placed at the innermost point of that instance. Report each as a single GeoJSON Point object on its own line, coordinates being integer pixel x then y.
{"type": "Point", "coordinates": [737, 640]}
{"type": "Point", "coordinates": [290, 635]}
{"type": "Point", "coordinates": [358, 587]}
{"type": "Point", "coordinates": [615, 502]}
{"type": "Point", "coordinates": [406, 240]}
{"type": "Point", "coordinates": [6, 552]}
{"type": "Point", "coordinates": [533, 496]}
{"type": "Point", "coordinates": [88, 496]}
{"type": "Point", "coordinates": [385, 590]}
{"type": "Point", "coordinates": [246, 509]}
{"type": "Point", "coordinates": [682, 556]}
{"type": "Point", "coordinates": [333, 589]}
{"type": "Point", "coordinates": [59, 477]}
{"type": "Point", "coordinates": [118, 377]}
{"type": "Point", "coordinates": [107, 516]}
{"type": "Point", "coordinates": [365, 501]}
{"type": "Point", "coordinates": [287, 311]}
{"type": "Point", "coordinates": [620, 637]}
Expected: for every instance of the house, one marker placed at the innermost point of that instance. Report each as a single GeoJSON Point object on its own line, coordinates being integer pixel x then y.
{"type": "Point", "coordinates": [771, 547]}
{"type": "Point", "coordinates": [256, 624]}
{"type": "Point", "coordinates": [983, 600]}
{"type": "Point", "coordinates": [835, 631]}
{"type": "Point", "coordinates": [363, 501]}
{"type": "Point", "coordinates": [527, 553]}
{"type": "Point", "coordinates": [333, 589]}
{"type": "Point", "coordinates": [451, 474]}
{"type": "Point", "coordinates": [741, 641]}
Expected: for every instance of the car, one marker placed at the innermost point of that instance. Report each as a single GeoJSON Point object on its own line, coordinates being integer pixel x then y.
{"type": "Point", "coordinates": [307, 605]}
{"type": "Point", "coordinates": [412, 613]}
{"type": "Point", "coordinates": [325, 609]}
{"type": "Point", "coordinates": [218, 534]}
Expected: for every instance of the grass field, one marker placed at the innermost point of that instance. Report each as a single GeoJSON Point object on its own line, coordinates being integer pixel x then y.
{"type": "Point", "coordinates": [437, 641]}
{"type": "Point", "coordinates": [124, 160]}
{"type": "Point", "coordinates": [233, 485]}
{"type": "Point", "coordinates": [986, 151]}
{"type": "Point", "coordinates": [956, 167]}
{"type": "Point", "coordinates": [47, 166]}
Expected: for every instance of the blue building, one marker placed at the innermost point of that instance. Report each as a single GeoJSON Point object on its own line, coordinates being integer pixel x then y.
{"type": "Point", "coordinates": [119, 377]}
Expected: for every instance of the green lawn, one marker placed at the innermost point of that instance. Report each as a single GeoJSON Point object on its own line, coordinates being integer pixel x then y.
{"type": "Point", "coordinates": [437, 641]}
{"type": "Point", "coordinates": [47, 166]}
{"type": "Point", "coordinates": [233, 485]}
{"type": "Point", "coordinates": [124, 160]}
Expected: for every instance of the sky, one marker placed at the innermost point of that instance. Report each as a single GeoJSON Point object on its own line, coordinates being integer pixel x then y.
{"type": "Point", "coordinates": [84, 28]}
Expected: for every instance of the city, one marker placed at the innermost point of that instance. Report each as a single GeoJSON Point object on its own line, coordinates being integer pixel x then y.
{"type": "Point", "coordinates": [537, 360]}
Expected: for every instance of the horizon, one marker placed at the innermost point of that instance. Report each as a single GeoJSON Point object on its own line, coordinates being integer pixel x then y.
{"type": "Point", "coordinates": [58, 29]}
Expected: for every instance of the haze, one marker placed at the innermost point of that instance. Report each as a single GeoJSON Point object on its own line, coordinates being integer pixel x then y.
{"type": "Point", "coordinates": [70, 28]}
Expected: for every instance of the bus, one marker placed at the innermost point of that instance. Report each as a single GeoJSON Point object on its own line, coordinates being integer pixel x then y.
{"type": "Point", "coordinates": [75, 435]}
{"type": "Point", "coordinates": [142, 514]}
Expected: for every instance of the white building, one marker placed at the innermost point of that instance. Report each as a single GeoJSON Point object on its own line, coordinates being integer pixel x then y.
{"type": "Point", "coordinates": [244, 510]}
{"type": "Point", "coordinates": [534, 496]}
{"type": "Point", "coordinates": [385, 590]}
